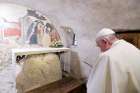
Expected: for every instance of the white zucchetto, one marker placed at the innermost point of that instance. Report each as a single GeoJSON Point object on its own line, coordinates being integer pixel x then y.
{"type": "Point", "coordinates": [104, 32]}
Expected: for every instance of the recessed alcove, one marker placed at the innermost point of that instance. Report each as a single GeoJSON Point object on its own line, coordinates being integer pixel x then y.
{"type": "Point", "coordinates": [130, 35]}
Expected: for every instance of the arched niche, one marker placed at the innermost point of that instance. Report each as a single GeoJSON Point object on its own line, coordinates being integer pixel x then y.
{"type": "Point", "coordinates": [21, 25]}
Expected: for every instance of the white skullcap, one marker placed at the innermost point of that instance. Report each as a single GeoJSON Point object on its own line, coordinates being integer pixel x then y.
{"type": "Point", "coordinates": [104, 32]}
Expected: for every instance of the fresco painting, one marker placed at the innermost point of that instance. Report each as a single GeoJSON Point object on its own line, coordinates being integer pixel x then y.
{"type": "Point", "coordinates": [31, 28]}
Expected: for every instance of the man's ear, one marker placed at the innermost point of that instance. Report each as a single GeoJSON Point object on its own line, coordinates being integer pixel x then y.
{"type": "Point", "coordinates": [104, 40]}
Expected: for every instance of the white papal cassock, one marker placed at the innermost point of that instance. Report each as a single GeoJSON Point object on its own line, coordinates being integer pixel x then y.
{"type": "Point", "coordinates": [117, 70]}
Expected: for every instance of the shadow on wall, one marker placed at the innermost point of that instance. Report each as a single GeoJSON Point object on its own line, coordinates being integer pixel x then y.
{"type": "Point", "coordinates": [75, 65]}
{"type": "Point", "coordinates": [69, 41]}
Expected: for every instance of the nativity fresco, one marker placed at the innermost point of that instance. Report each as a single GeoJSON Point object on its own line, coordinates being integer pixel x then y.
{"type": "Point", "coordinates": [37, 30]}
{"type": "Point", "coordinates": [32, 28]}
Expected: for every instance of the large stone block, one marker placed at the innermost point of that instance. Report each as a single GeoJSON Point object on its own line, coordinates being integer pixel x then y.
{"type": "Point", "coordinates": [37, 71]}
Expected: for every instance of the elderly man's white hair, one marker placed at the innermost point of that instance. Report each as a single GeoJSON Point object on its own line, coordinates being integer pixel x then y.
{"type": "Point", "coordinates": [104, 32]}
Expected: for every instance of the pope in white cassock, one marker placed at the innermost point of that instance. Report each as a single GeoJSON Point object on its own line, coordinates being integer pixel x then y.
{"type": "Point", "coordinates": [118, 67]}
